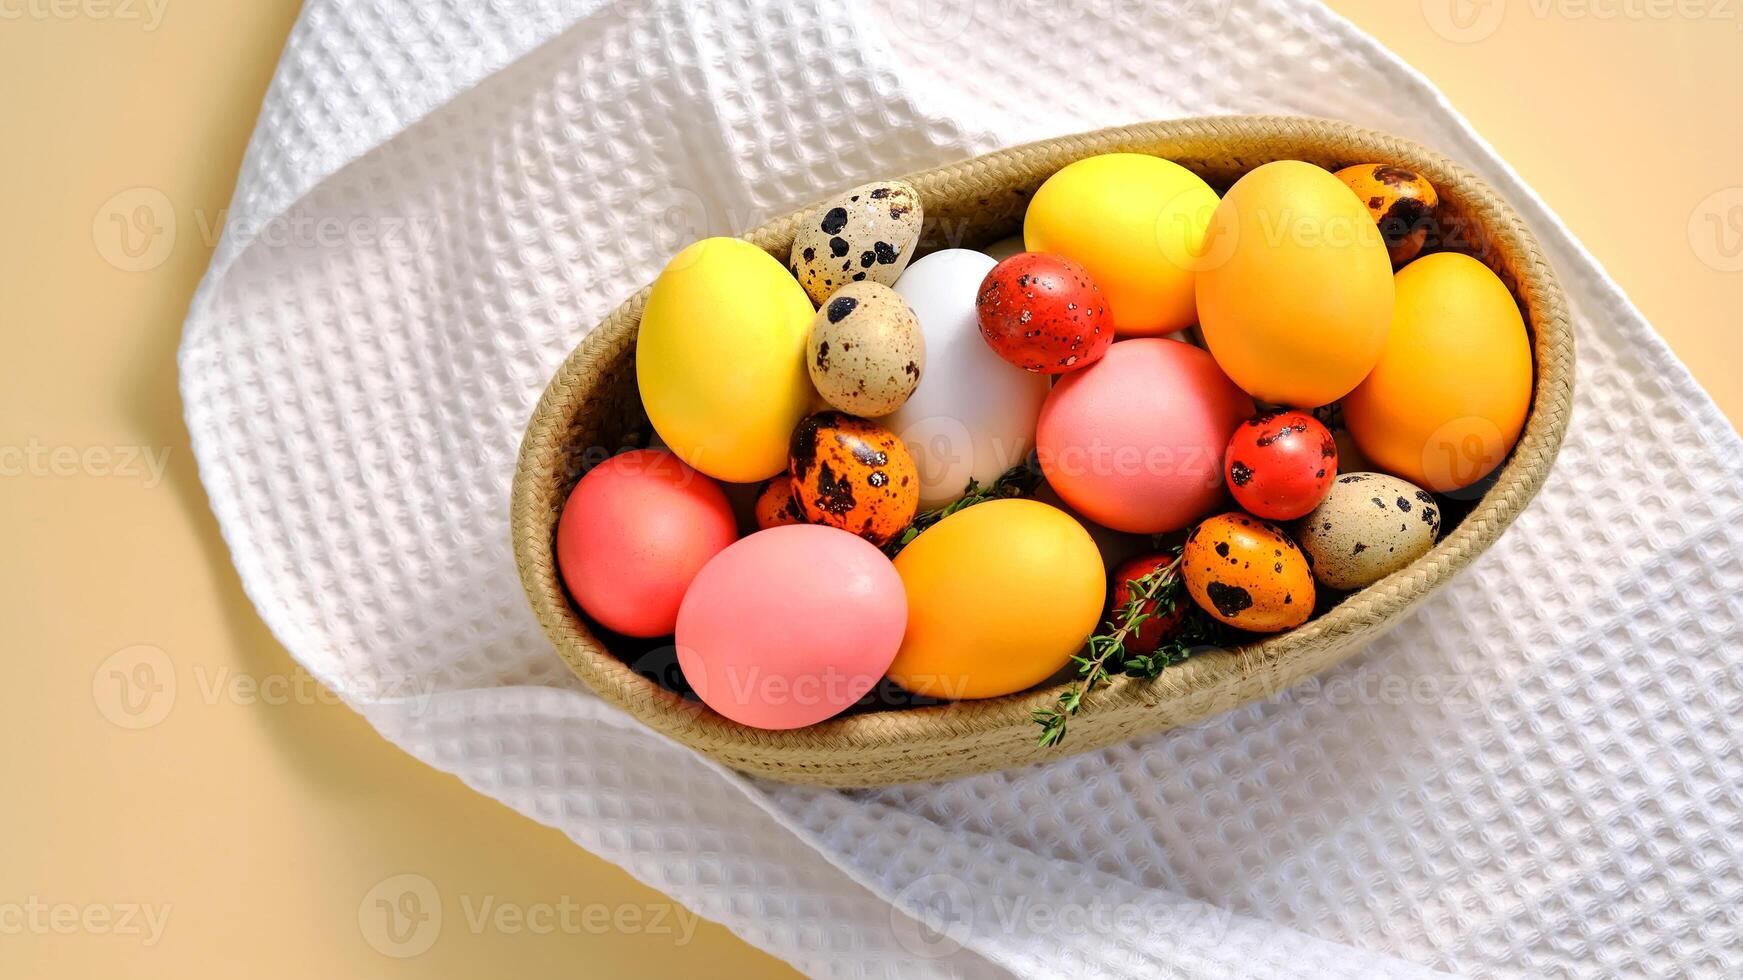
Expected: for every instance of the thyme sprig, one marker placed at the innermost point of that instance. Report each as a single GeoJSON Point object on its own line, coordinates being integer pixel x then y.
{"type": "Point", "coordinates": [1018, 481]}
{"type": "Point", "coordinates": [1155, 594]}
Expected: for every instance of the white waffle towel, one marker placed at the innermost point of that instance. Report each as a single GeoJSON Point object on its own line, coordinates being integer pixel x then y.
{"type": "Point", "coordinates": [442, 196]}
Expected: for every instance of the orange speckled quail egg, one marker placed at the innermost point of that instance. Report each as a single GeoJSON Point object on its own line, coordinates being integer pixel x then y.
{"type": "Point", "coordinates": [776, 505]}
{"type": "Point", "coordinates": [865, 351]}
{"type": "Point", "coordinates": [1369, 526]}
{"type": "Point", "coordinates": [1247, 573]}
{"type": "Point", "coordinates": [854, 475]}
{"type": "Point", "coordinates": [864, 234]}
{"type": "Point", "coordinates": [1401, 203]}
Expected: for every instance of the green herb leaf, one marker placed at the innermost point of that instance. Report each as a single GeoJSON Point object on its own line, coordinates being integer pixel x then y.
{"type": "Point", "coordinates": [1018, 481]}
{"type": "Point", "coordinates": [1154, 594]}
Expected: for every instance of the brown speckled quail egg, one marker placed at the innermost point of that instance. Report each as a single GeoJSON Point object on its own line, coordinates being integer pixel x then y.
{"type": "Point", "coordinates": [866, 351]}
{"type": "Point", "coordinates": [864, 234]}
{"type": "Point", "coordinates": [1369, 526]}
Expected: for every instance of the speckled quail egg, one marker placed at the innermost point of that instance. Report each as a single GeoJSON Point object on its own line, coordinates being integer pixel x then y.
{"type": "Point", "coordinates": [866, 350]}
{"type": "Point", "coordinates": [776, 506]}
{"type": "Point", "coordinates": [1401, 202]}
{"type": "Point", "coordinates": [866, 233]}
{"type": "Point", "coordinates": [1247, 573]}
{"type": "Point", "coordinates": [855, 475]}
{"type": "Point", "coordinates": [1369, 526]}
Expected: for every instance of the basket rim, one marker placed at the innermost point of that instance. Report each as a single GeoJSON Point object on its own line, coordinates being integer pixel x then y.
{"type": "Point", "coordinates": [898, 730]}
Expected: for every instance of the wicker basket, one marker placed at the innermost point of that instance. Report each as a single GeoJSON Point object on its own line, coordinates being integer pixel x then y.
{"type": "Point", "coordinates": [593, 402]}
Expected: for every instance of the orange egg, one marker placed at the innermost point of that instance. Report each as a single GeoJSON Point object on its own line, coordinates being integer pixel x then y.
{"type": "Point", "coordinates": [854, 475]}
{"type": "Point", "coordinates": [1247, 573]}
{"type": "Point", "coordinates": [1000, 596]}
{"type": "Point", "coordinates": [776, 506]}
{"type": "Point", "coordinates": [1401, 202]}
{"type": "Point", "coordinates": [1448, 398]}
{"type": "Point", "coordinates": [1294, 287]}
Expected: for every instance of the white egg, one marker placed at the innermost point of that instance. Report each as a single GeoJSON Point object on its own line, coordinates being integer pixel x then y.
{"type": "Point", "coordinates": [973, 414]}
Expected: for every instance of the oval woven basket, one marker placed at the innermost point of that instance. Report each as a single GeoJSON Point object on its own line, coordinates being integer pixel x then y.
{"type": "Point", "coordinates": [592, 402]}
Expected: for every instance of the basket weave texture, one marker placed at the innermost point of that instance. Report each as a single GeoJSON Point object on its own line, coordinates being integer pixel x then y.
{"type": "Point", "coordinates": [592, 402]}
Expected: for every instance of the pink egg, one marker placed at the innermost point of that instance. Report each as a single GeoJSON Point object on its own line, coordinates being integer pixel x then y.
{"type": "Point", "coordinates": [791, 625]}
{"type": "Point", "coordinates": [635, 531]}
{"type": "Point", "coordinates": [1135, 441]}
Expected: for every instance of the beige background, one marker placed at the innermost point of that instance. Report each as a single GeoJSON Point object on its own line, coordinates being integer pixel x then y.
{"type": "Point", "coordinates": [260, 817]}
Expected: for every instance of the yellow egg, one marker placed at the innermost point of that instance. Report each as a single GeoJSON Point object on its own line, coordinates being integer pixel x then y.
{"type": "Point", "coordinates": [1295, 297]}
{"type": "Point", "coordinates": [1448, 398]}
{"type": "Point", "coordinates": [1000, 595]}
{"type": "Point", "coordinates": [1136, 223]}
{"type": "Point", "coordinates": [720, 359]}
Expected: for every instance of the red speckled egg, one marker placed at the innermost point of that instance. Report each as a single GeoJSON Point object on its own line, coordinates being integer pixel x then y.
{"type": "Point", "coordinates": [634, 533]}
{"type": "Point", "coordinates": [1161, 624]}
{"type": "Point", "coordinates": [1044, 314]}
{"type": "Point", "coordinates": [1280, 464]}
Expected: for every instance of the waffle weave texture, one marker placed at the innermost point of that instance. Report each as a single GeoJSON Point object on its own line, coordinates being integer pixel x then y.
{"type": "Point", "coordinates": [1554, 792]}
